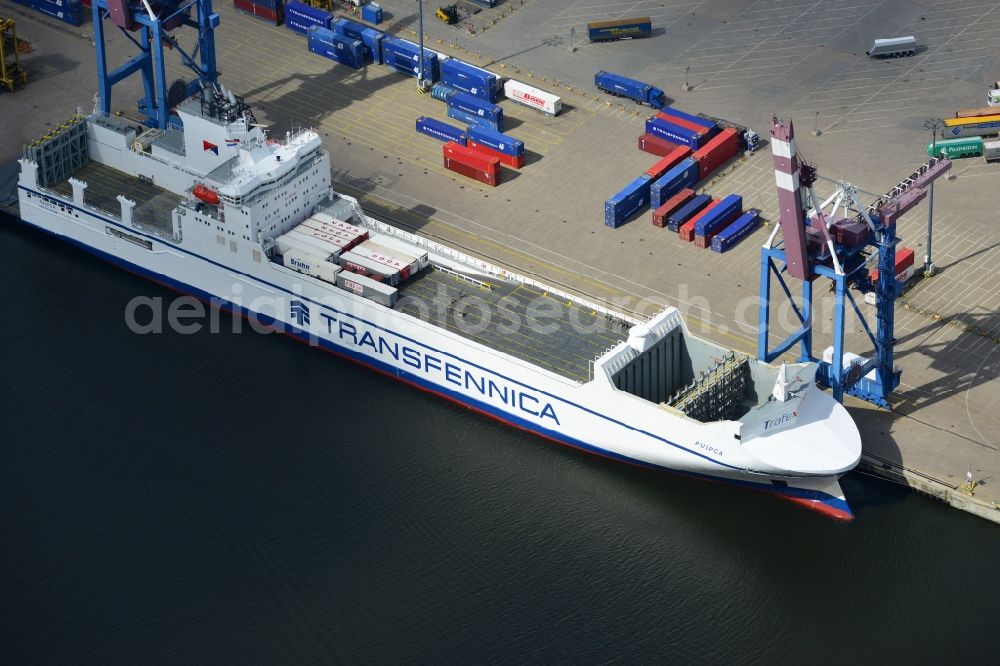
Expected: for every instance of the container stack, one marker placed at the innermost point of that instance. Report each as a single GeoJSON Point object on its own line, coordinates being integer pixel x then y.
{"type": "Point", "coordinates": [670, 205]}
{"type": "Point", "coordinates": [336, 47]}
{"type": "Point", "coordinates": [472, 164]}
{"type": "Point", "coordinates": [271, 11]}
{"type": "Point", "coordinates": [668, 162]}
{"type": "Point", "coordinates": [655, 145]}
{"type": "Point", "coordinates": [299, 17]}
{"type": "Point", "coordinates": [402, 55]}
{"type": "Point", "coordinates": [686, 230]}
{"type": "Point", "coordinates": [507, 149]}
{"type": "Point", "coordinates": [470, 79]}
{"type": "Point", "coordinates": [67, 11]}
{"type": "Point", "coordinates": [369, 37]}
{"type": "Point", "coordinates": [685, 212]}
{"type": "Point", "coordinates": [716, 152]}
{"type": "Point", "coordinates": [441, 131]}
{"type": "Point", "coordinates": [720, 217]}
{"type": "Point", "coordinates": [623, 205]}
{"type": "Point", "coordinates": [475, 111]}
{"type": "Point", "coordinates": [744, 225]}
{"type": "Point", "coordinates": [683, 175]}
{"type": "Point", "coordinates": [321, 235]}
{"type": "Point", "coordinates": [671, 130]}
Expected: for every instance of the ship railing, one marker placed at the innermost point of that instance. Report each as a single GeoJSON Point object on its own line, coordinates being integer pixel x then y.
{"type": "Point", "coordinates": [484, 266]}
{"type": "Point", "coordinates": [465, 278]}
{"type": "Point", "coordinates": [90, 208]}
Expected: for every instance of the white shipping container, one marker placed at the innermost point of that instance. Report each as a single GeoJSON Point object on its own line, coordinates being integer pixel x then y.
{"type": "Point", "coordinates": [381, 257]}
{"type": "Point", "coordinates": [399, 244]}
{"type": "Point", "coordinates": [293, 241]}
{"type": "Point", "coordinates": [350, 237]}
{"type": "Point", "coordinates": [350, 261]}
{"type": "Point", "coordinates": [371, 289]}
{"type": "Point", "coordinates": [339, 224]}
{"type": "Point", "coordinates": [991, 150]}
{"type": "Point", "coordinates": [311, 264]}
{"type": "Point", "coordinates": [411, 259]}
{"type": "Point", "coordinates": [531, 96]}
{"type": "Point", "coordinates": [341, 242]}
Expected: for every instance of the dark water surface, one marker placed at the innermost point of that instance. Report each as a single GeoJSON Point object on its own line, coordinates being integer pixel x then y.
{"type": "Point", "coordinates": [243, 498]}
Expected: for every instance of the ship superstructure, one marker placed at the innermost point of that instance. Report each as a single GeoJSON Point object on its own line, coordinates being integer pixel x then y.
{"type": "Point", "coordinates": [220, 210]}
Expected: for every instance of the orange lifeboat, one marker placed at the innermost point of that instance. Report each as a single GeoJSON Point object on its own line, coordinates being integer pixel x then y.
{"type": "Point", "coordinates": [205, 194]}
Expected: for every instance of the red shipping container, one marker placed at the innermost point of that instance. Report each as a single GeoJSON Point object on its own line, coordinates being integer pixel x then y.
{"type": "Point", "coordinates": [253, 9]}
{"type": "Point", "coordinates": [472, 164]}
{"type": "Point", "coordinates": [87, 3]}
{"type": "Point", "coordinates": [670, 205]}
{"type": "Point", "coordinates": [509, 160]}
{"type": "Point", "coordinates": [656, 145]}
{"type": "Point", "coordinates": [670, 115]}
{"type": "Point", "coordinates": [668, 162]}
{"type": "Point", "coordinates": [683, 122]}
{"type": "Point", "coordinates": [687, 229]}
{"type": "Point", "coordinates": [706, 240]}
{"type": "Point", "coordinates": [716, 152]}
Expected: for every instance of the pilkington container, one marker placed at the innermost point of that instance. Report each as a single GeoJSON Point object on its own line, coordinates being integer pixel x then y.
{"type": "Point", "coordinates": [684, 174]}
{"type": "Point", "coordinates": [686, 230]}
{"type": "Point", "coordinates": [472, 119]}
{"type": "Point", "coordinates": [744, 225]}
{"type": "Point", "coordinates": [471, 164]}
{"type": "Point", "coordinates": [716, 152]}
{"type": "Point", "coordinates": [621, 206]}
{"type": "Point", "coordinates": [441, 131]}
{"type": "Point", "coordinates": [366, 287]}
{"type": "Point", "coordinates": [681, 215]}
{"type": "Point", "coordinates": [717, 219]}
{"type": "Point", "coordinates": [675, 133]}
{"type": "Point", "coordinates": [655, 145]}
{"type": "Point", "coordinates": [668, 162]}
{"type": "Point", "coordinates": [470, 79]}
{"type": "Point", "coordinates": [670, 205]}
{"type": "Point", "coordinates": [299, 16]}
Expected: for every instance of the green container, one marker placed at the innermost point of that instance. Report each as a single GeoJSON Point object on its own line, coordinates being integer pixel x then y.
{"type": "Point", "coordinates": [953, 148]}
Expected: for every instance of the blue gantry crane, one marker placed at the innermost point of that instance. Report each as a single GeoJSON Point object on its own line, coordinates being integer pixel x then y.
{"type": "Point", "coordinates": [149, 25]}
{"type": "Point", "coordinates": [841, 249]}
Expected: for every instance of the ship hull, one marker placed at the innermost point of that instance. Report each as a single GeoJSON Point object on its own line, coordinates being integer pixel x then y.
{"type": "Point", "coordinates": [820, 493]}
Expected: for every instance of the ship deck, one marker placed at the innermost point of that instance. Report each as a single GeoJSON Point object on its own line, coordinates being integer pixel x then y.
{"type": "Point", "coordinates": [521, 320]}
{"type": "Point", "coordinates": [153, 204]}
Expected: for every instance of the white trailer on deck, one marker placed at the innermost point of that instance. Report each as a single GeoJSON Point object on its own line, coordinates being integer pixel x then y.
{"type": "Point", "coordinates": [893, 48]}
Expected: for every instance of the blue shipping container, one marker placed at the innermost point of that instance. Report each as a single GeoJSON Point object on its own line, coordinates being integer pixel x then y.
{"type": "Point", "coordinates": [304, 14]}
{"type": "Point", "coordinates": [742, 227]}
{"type": "Point", "coordinates": [474, 120]}
{"type": "Point", "coordinates": [441, 131]}
{"type": "Point", "coordinates": [371, 13]}
{"type": "Point", "coordinates": [675, 133]}
{"type": "Point", "coordinates": [470, 79]}
{"type": "Point", "coordinates": [618, 208]}
{"type": "Point", "coordinates": [402, 56]}
{"type": "Point", "coordinates": [626, 87]}
{"type": "Point", "coordinates": [682, 175]}
{"type": "Point", "coordinates": [726, 211]}
{"type": "Point", "coordinates": [681, 215]}
{"type": "Point", "coordinates": [330, 45]}
{"type": "Point", "coordinates": [71, 13]}
{"type": "Point", "coordinates": [710, 126]}
{"type": "Point", "coordinates": [372, 39]}
{"type": "Point", "coordinates": [498, 141]}
{"type": "Point", "coordinates": [469, 104]}
{"type": "Point", "coordinates": [605, 33]}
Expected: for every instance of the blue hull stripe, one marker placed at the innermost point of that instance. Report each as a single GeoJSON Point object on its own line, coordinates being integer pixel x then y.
{"type": "Point", "coordinates": [304, 336]}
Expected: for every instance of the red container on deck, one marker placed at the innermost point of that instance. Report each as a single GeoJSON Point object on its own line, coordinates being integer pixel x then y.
{"type": "Point", "coordinates": [683, 122]}
{"type": "Point", "coordinates": [471, 163]}
{"type": "Point", "coordinates": [272, 16]}
{"type": "Point", "coordinates": [656, 145]}
{"type": "Point", "coordinates": [667, 162]}
{"type": "Point", "coordinates": [687, 229]}
{"type": "Point", "coordinates": [670, 205]}
{"type": "Point", "coordinates": [509, 160]}
{"type": "Point", "coordinates": [719, 149]}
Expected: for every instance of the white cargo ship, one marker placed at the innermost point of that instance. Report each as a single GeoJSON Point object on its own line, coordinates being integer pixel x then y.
{"type": "Point", "coordinates": [221, 211]}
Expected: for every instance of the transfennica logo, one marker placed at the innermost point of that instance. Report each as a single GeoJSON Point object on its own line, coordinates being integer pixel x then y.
{"type": "Point", "coordinates": [300, 313]}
